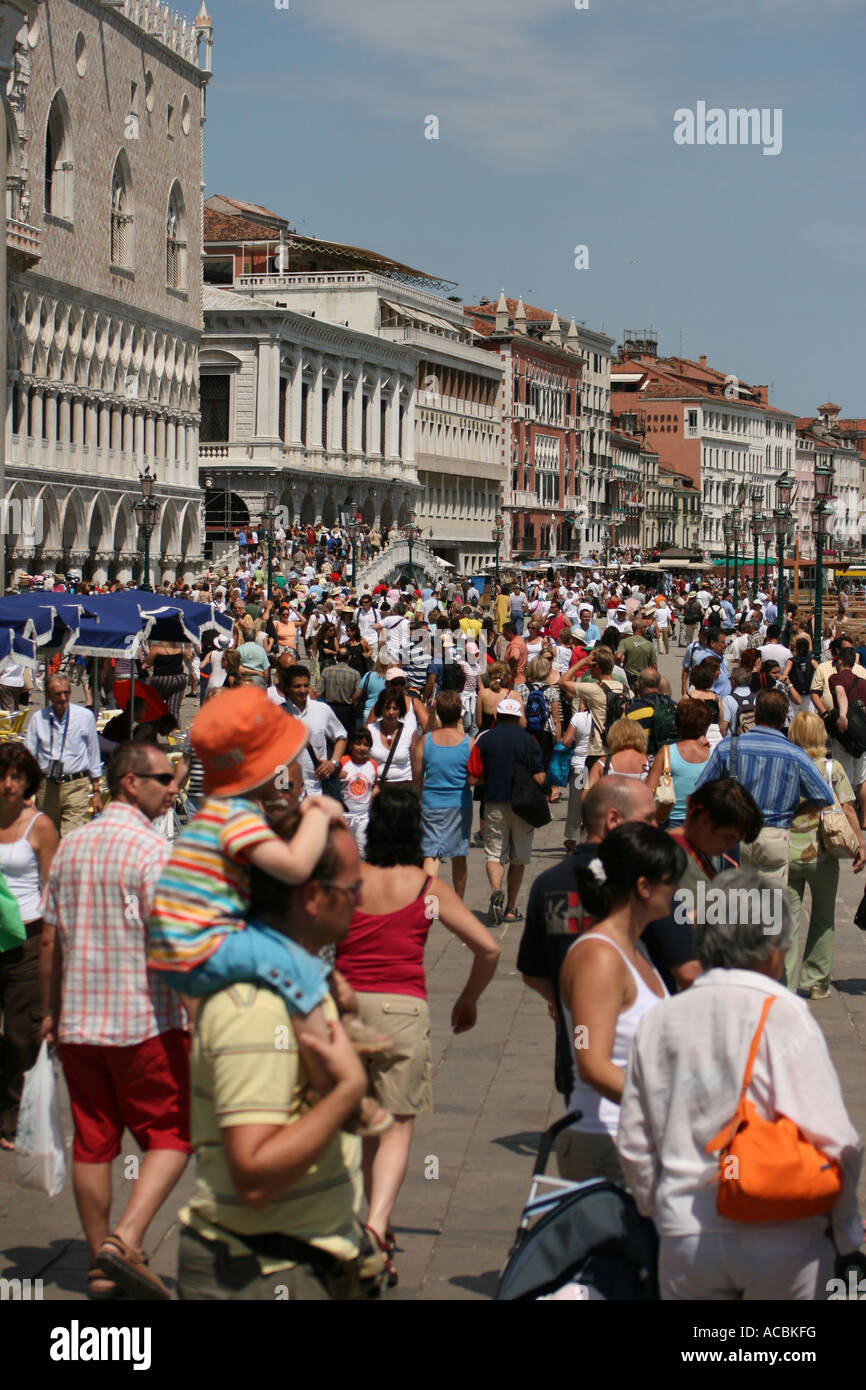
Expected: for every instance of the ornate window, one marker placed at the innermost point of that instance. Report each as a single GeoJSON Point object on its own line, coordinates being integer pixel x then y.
{"type": "Point", "coordinates": [58, 160]}
{"type": "Point", "coordinates": [175, 240]}
{"type": "Point", "coordinates": [121, 212]}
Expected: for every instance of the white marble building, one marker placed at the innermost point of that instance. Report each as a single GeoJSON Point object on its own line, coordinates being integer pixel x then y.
{"type": "Point", "coordinates": [105, 108]}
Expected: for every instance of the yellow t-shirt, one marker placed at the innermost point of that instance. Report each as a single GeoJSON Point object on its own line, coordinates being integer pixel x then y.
{"type": "Point", "coordinates": [245, 1069]}
{"type": "Point", "coordinates": [502, 608]}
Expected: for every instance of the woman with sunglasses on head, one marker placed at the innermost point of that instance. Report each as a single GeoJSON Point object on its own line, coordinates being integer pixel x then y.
{"type": "Point", "coordinates": [383, 961]}
{"type": "Point", "coordinates": [607, 984]}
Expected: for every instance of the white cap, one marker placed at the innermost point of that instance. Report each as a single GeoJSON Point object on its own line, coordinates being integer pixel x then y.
{"type": "Point", "coordinates": [511, 707]}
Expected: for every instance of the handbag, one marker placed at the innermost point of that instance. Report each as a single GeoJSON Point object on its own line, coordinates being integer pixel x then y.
{"type": "Point", "coordinates": [837, 834]}
{"type": "Point", "coordinates": [767, 1170]}
{"type": "Point", "coordinates": [665, 791]}
{"type": "Point", "coordinates": [559, 766]}
{"type": "Point", "coordinates": [528, 800]}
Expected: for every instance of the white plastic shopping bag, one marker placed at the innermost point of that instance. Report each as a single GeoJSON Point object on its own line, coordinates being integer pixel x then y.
{"type": "Point", "coordinates": [39, 1149]}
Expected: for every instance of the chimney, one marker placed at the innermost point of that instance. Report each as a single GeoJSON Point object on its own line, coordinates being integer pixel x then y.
{"type": "Point", "coordinates": [703, 359]}
{"type": "Point", "coordinates": [501, 324]}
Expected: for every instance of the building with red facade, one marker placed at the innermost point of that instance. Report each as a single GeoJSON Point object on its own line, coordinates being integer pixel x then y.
{"type": "Point", "coordinates": [541, 424]}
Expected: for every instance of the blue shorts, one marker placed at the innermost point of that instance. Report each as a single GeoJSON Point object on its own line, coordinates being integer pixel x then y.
{"type": "Point", "coordinates": [258, 955]}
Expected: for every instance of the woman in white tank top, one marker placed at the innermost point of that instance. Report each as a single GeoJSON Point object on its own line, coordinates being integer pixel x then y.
{"type": "Point", "coordinates": [607, 984]}
{"type": "Point", "coordinates": [28, 843]}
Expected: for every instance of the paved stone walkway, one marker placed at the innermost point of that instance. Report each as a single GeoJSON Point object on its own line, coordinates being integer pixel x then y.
{"type": "Point", "coordinates": [471, 1160]}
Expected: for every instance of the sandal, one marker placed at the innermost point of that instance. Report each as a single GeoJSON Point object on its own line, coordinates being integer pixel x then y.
{"type": "Point", "coordinates": [366, 1040]}
{"type": "Point", "coordinates": [370, 1120]}
{"type": "Point", "coordinates": [8, 1145]}
{"type": "Point", "coordinates": [129, 1269]}
{"type": "Point", "coordinates": [382, 1247]}
{"type": "Point", "coordinates": [512, 916]}
{"type": "Point", "coordinates": [99, 1288]}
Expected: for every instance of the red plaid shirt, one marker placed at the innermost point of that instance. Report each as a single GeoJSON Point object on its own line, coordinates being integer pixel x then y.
{"type": "Point", "coordinates": [98, 898]}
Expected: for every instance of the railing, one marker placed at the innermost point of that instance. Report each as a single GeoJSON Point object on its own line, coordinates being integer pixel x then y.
{"type": "Point", "coordinates": [24, 239]}
{"type": "Point", "coordinates": [342, 279]}
{"type": "Point", "coordinates": [394, 557]}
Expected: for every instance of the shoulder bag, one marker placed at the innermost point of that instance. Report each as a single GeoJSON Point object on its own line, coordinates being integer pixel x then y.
{"type": "Point", "coordinates": [665, 791]}
{"type": "Point", "coordinates": [391, 751]}
{"type": "Point", "coordinates": [837, 835]}
{"type": "Point", "coordinates": [767, 1170]}
{"type": "Point", "coordinates": [528, 800]}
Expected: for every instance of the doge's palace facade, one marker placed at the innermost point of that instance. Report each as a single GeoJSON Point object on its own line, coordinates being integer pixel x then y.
{"type": "Point", "coordinates": [105, 108]}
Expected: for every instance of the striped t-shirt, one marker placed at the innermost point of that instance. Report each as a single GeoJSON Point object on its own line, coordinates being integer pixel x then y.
{"type": "Point", "coordinates": [204, 890]}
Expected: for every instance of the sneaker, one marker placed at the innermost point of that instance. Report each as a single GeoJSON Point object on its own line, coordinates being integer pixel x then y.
{"type": "Point", "coordinates": [496, 910]}
{"type": "Point", "coordinates": [819, 992]}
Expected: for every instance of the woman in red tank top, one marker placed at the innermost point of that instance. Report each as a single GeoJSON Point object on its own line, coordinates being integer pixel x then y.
{"type": "Point", "coordinates": [383, 960]}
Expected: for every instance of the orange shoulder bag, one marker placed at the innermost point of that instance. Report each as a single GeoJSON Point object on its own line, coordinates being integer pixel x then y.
{"type": "Point", "coordinates": [767, 1170]}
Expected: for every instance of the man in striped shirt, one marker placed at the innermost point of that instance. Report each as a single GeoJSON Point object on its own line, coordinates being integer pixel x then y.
{"type": "Point", "coordinates": [120, 1032]}
{"type": "Point", "coordinates": [780, 776]}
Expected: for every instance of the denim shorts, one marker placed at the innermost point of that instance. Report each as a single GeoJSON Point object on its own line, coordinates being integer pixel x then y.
{"type": "Point", "coordinates": [445, 831]}
{"type": "Point", "coordinates": [258, 955]}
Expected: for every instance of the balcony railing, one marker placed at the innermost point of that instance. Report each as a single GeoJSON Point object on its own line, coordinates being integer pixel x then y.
{"type": "Point", "coordinates": [23, 240]}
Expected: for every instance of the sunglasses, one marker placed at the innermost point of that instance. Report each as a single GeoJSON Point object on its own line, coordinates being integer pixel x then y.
{"type": "Point", "coordinates": [164, 778]}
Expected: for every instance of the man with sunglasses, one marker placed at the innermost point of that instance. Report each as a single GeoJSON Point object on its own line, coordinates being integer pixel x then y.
{"type": "Point", "coordinates": [119, 1029]}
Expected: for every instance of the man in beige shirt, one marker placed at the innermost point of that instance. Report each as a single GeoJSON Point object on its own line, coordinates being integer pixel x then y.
{"type": "Point", "coordinates": [599, 664]}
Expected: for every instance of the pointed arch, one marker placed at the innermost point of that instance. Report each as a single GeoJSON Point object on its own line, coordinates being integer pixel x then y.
{"type": "Point", "coordinates": [175, 238]}
{"type": "Point", "coordinates": [122, 212]}
{"type": "Point", "coordinates": [58, 160]}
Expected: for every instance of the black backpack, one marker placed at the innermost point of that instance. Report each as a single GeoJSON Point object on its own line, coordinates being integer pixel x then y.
{"type": "Point", "coordinates": [801, 674]}
{"type": "Point", "coordinates": [664, 724]}
{"type": "Point", "coordinates": [693, 612]}
{"type": "Point", "coordinates": [745, 719]}
{"type": "Point", "coordinates": [616, 707]}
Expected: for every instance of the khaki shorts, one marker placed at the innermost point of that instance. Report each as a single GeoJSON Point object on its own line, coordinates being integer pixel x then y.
{"type": "Point", "coordinates": [507, 837]}
{"type": "Point", "coordinates": [401, 1081]}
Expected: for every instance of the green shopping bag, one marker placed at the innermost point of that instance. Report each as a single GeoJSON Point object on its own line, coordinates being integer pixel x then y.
{"type": "Point", "coordinates": [12, 929]}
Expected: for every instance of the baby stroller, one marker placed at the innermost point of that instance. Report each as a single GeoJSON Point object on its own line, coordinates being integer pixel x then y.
{"type": "Point", "coordinates": [589, 1241]}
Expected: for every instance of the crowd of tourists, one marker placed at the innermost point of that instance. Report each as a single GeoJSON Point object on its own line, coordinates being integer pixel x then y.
{"type": "Point", "coordinates": [254, 848]}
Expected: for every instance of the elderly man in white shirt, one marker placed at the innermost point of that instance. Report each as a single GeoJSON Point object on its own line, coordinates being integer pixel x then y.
{"type": "Point", "coordinates": [682, 1085]}
{"type": "Point", "coordinates": [62, 738]}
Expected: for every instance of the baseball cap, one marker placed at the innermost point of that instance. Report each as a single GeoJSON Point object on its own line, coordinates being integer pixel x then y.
{"type": "Point", "coordinates": [509, 707]}
{"type": "Point", "coordinates": [395, 673]}
{"type": "Point", "coordinates": [241, 738]}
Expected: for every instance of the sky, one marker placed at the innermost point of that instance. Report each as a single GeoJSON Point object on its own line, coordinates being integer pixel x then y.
{"type": "Point", "coordinates": [555, 130]}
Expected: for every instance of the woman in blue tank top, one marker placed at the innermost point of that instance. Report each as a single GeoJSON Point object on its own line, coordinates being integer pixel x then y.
{"type": "Point", "coordinates": [440, 761]}
{"type": "Point", "coordinates": [686, 758]}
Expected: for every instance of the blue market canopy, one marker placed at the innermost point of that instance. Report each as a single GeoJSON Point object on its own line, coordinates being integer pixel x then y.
{"type": "Point", "coordinates": [16, 650]}
{"type": "Point", "coordinates": [109, 625]}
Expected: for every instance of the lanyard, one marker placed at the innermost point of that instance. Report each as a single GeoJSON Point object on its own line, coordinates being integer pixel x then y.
{"type": "Point", "coordinates": [52, 721]}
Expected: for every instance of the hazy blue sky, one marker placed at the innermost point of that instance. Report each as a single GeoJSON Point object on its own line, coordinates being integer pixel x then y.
{"type": "Point", "coordinates": [556, 130]}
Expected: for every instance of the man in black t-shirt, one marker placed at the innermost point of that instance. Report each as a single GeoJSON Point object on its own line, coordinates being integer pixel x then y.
{"type": "Point", "coordinates": [507, 837]}
{"type": "Point", "coordinates": [555, 918]}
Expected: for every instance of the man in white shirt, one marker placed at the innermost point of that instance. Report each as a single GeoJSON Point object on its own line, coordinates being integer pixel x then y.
{"type": "Point", "coordinates": [620, 621]}
{"type": "Point", "coordinates": [661, 617]}
{"type": "Point", "coordinates": [316, 765]}
{"type": "Point", "coordinates": [63, 740]}
{"type": "Point", "coordinates": [683, 1079]}
{"type": "Point", "coordinates": [774, 651]}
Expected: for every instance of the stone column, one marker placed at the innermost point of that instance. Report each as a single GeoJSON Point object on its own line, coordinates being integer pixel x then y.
{"type": "Point", "coordinates": [149, 437]}
{"type": "Point", "coordinates": [23, 402]}
{"type": "Point", "coordinates": [357, 444]}
{"type": "Point", "coordinates": [295, 401]}
{"type": "Point", "coordinates": [51, 415]}
{"type": "Point", "coordinates": [104, 425]}
{"type": "Point", "coordinates": [90, 423]}
{"type": "Point", "coordinates": [63, 416]}
{"type": "Point", "coordinates": [314, 401]}
{"type": "Point", "coordinates": [335, 422]}
{"type": "Point", "coordinates": [127, 432]}
{"type": "Point", "coordinates": [409, 424]}
{"type": "Point", "coordinates": [37, 402]}
{"type": "Point", "coordinates": [192, 447]}
{"type": "Point", "coordinates": [138, 435]}
{"type": "Point", "coordinates": [389, 449]}
{"type": "Point", "coordinates": [116, 440]}
{"type": "Point", "coordinates": [159, 446]}
{"type": "Point", "coordinates": [170, 443]}
{"type": "Point", "coordinates": [374, 415]}
{"type": "Point", "coordinates": [268, 392]}
{"type": "Point", "coordinates": [78, 419]}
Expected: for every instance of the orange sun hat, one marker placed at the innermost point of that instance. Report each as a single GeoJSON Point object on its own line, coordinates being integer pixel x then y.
{"type": "Point", "coordinates": [242, 738]}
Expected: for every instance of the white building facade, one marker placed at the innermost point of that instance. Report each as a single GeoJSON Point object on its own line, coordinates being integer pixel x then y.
{"type": "Point", "coordinates": [105, 109]}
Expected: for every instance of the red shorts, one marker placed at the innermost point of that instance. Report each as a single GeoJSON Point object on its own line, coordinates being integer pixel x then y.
{"type": "Point", "coordinates": [143, 1088]}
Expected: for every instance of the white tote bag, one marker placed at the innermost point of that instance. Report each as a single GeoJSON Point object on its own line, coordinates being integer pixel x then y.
{"type": "Point", "coordinates": [40, 1152]}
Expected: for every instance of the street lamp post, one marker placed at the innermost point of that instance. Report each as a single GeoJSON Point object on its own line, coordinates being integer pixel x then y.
{"type": "Point", "coordinates": [820, 516]}
{"type": "Point", "coordinates": [498, 534]}
{"type": "Point", "coordinates": [728, 531]}
{"type": "Point", "coordinates": [757, 524]}
{"type": "Point", "coordinates": [146, 511]}
{"type": "Point", "coordinates": [782, 521]}
{"type": "Point", "coordinates": [269, 517]}
{"type": "Point", "coordinates": [412, 533]}
{"type": "Point", "coordinates": [768, 534]}
{"type": "Point", "coordinates": [352, 527]}
{"type": "Point", "coordinates": [738, 536]}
